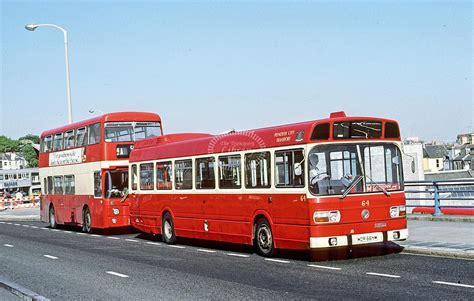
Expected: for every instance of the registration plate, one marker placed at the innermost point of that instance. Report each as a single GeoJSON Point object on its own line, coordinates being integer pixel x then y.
{"type": "Point", "coordinates": [367, 238]}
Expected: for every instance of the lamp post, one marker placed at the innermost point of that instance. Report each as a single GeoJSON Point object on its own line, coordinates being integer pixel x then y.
{"type": "Point", "coordinates": [32, 27]}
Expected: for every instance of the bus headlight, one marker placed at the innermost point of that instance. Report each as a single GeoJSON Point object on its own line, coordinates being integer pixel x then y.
{"type": "Point", "coordinates": [116, 211]}
{"type": "Point", "coordinates": [333, 216]}
{"type": "Point", "coordinates": [398, 211]}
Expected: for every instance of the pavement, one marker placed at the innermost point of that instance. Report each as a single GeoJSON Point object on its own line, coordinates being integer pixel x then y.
{"type": "Point", "coordinates": [67, 264]}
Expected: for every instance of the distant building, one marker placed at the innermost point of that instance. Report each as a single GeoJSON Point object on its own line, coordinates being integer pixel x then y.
{"type": "Point", "coordinates": [464, 159]}
{"type": "Point", "coordinates": [434, 157]}
{"type": "Point", "coordinates": [20, 180]}
{"type": "Point", "coordinates": [11, 161]}
{"type": "Point", "coordinates": [465, 138]}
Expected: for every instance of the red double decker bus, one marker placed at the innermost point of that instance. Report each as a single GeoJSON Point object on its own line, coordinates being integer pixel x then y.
{"type": "Point", "coordinates": [84, 169]}
{"type": "Point", "coordinates": [312, 185]}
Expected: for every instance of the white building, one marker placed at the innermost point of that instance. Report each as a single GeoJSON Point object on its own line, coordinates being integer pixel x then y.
{"type": "Point", "coordinates": [11, 161]}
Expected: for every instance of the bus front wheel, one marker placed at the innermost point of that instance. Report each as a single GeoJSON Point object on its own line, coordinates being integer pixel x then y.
{"type": "Point", "coordinates": [87, 221]}
{"type": "Point", "coordinates": [52, 218]}
{"type": "Point", "coordinates": [264, 238]}
{"type": "Point", "coordinates": [167, 229]}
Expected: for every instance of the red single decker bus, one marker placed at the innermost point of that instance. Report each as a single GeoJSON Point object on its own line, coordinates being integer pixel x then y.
{"type": "Point", "coordinates": [84, 169]}
{"type": "Point", "coordinates": [312, 185]}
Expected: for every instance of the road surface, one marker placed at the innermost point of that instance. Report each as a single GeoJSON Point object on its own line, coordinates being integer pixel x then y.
{"type": "Point", "coordinates": [67, 264]}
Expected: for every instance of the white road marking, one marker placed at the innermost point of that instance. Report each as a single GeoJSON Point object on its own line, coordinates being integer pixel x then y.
{"type": "Point", "coordinates": [383, 275]}
{"type": "Point", "coordinates": [50, 256]}
{"type": "Point", "coordinates": [9, 223]}
{"type": "Point", "coordinates": [177, 247]}
{"type": "Point", "coordinates": [117, 274]}
{"type": "Point", "coordinates": [2, 222]}
{"type": "Point", "coordinates": [132, 240]}
{"type": "Point", "coordinates": [17, 224]}
{"type": "Point", "coordinates": [111, 237]}
{"type": "Point", "coordinates": [55, 230]}
{"type": "Point", "coordinates": [206, 251]}
{"type": "Point", "coordinates": [80, 233]}
{"type": "Point", "coordinates": [26, 226]}
{"type": "Point", "coordinates": [65, 231]}
{"type": "Point", "coordinates": [454, 284]}
{"type": "Point", "coordinates": [238, 255]}
{"type": "Point", "coordinates": [323, 267]}
{"type": "Point", "coordinates": [277, 260]}
{"type": "Point", "coordinates": [8, 245]}
{"type": "Point", "coordinates": [153, 243]}
{"type": "Point", "coordinates": [95, 235]}
{"type": "Point", "coordinates": [34, 227]}
{"type": "Point", "coordinates": [44, 228]}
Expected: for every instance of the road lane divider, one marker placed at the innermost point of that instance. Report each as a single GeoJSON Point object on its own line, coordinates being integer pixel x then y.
{"type": "Point", "coordinates": [117, 274]}
{"type": "Point", "coordinates": [94, 235]}
{"type": "Point", "coordinates": [26, 226]}
{"type": "Point", "coordinates": [176, 247]}
{"type": "Point", "coordinates": [2, 223]}
{"type": "Point", "coordinates": [206, 251]}
{"type": "Point", "coordinates": [383, 275]}
{"type": "Point", "coordinates": [277, 260]}
{"type": "Point", "coordinates": [17, 224]}
{"type": "Point", "coordinates": [111, 237]}
{"type": "Point", "coordinates": [454, 284]}
{"type": "Point", "coordinates": [153, 243]}
{"type": "Point", "coordinates": [324, 267]}
{"type": "Point", "coordinates": [8, 245]}
{"type": "Point", "coordinates": [237, 255]}
{"type": "Point", "coordinates": [131, 240]}
{"type": "Point", "coordinates": [34, 227]}
{"type": "Point", "coordinates": [50, 256]}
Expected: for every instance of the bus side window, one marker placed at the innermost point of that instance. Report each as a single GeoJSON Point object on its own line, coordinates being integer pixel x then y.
{"type": "Point", "coordinates": [69, 139]}
{"type": "Point", "coordinates": [229, 172]}
{"type": "Point", "coordinates": [81, 136]}
{"type": "Point", "coordinates": [147, 181]}
{"type": "Point", "coordinates": [164, 174]}
{"type": "Point", "coordinates": [289, 168]}
{"type": "Point", "coordinates": [58, 185]}
{"type": "Point", "coordinates": [205, 178]}
{"type": "Point", "coordinates": [257, 170]}
{"type": "Point", "coordinates": [94, 133]}
{"type": "Point", "coordinates": [134, 177]}
{"type": "Point", "coordinates": [183, 174]}
{"type": "Point", "coordinates": [97, 184]}
{"type": "Point", "coordinates": [50, 185]}
{"type": "Point", "coordinates": [48, 143]}
{"type": "Point", "coordinates": [69, 185]}
{"type": "Point", "coordinates": [58, 142]}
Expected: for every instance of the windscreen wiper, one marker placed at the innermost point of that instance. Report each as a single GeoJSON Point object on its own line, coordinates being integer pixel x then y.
{"type": "Point", "coordinates": [354, 183]}
{"type": "Point", "coordinates": [378, 186]}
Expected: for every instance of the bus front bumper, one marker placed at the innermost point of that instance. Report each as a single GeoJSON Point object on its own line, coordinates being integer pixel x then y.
{"type": "Point", "coordinates": [358, 239]}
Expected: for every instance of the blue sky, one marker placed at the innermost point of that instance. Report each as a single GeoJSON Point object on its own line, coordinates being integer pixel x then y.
{"type": "Point", "coordinates": [209, 67]}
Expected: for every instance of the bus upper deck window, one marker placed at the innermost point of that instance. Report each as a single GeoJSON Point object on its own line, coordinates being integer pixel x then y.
{"type": "Point", "coordinates": [392, 130]}
{"type": "Point", "coordinates": [320, 132]}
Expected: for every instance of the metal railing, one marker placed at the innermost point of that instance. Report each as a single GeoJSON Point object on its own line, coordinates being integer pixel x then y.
{"type": "Point", "coordinates": [443, 190]}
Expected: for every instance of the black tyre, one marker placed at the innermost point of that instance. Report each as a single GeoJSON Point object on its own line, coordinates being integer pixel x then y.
{"type": "Point", "coordinates": [264, 238]}
{"type": "Point", "coordinates": [167, 229]}
{"type": "Point", "coordinates": [52, 218]}
{"type": "Point", "coordinates": [86, 220]}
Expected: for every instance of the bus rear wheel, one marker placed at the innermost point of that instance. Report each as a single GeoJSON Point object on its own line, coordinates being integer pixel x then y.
{"type": "Point", "coordinates": [264, 238]}
{"type": "Point", "coordinates": [52, 218]}
{"type": "Point", "coordinates": [86, 221]}
{"type": "Point", "coordinates": [167, 229]}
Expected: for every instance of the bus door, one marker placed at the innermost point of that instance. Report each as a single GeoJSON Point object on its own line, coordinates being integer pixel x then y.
{"type": "Point", "coordinates": [116, 190]}
{"type": "Point", "coordinates": [289, 204]}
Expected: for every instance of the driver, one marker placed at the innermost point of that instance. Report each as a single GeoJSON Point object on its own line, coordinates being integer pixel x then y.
{"type": "Point", "coordinates": [315, 174]}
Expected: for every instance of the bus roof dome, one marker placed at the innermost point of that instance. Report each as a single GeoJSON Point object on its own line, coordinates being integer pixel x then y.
{"type": "Point", "coordinates": [338, 114]}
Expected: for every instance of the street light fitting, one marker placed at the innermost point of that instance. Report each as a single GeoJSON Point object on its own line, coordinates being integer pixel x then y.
{"type": "Point", "coordinates": [31, 27]}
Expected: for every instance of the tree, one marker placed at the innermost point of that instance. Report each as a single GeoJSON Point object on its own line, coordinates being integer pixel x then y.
{"type": "Point", "coordinates": [33, 138]}
{"type": "Point", "coordinates": [8, 145]}
{"type": "Point", "coordinates": [30, 155]}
